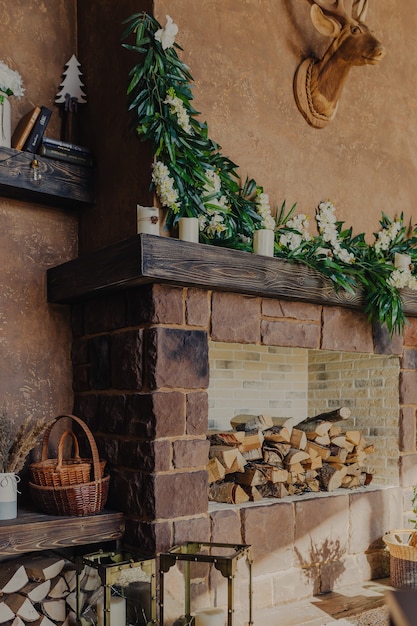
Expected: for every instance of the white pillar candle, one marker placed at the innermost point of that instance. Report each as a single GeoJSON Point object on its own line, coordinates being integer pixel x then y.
{"type": "Point", "coordinates": [402, 261]}
{"type": "Point", "coordinates": [263, 242]}
{"type": "Point", "coordinates": [148, 219]}
{"type": "Point", "coordinates": [189, 229]}
{"type": "Point", "coordinates": [210, 617]}
{"type": "Point", "coordinates": [117, 611]}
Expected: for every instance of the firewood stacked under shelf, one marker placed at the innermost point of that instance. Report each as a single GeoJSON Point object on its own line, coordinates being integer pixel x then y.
{"type": "Point", "coordinates": [40, 590]}
{"type": "Point", "coordinates": [266, 457]}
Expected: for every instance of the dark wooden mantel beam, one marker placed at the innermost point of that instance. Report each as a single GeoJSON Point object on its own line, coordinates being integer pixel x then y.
{"type": "Point", "coordinates": [149, 258]}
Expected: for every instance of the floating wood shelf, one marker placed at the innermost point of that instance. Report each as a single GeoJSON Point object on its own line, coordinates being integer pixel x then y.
{"type": "Point", "coordinates": [32, 531]}
{"type": "Point", "coordinates": [61, 184]}
{"type": "Point", "coordinates": [149, 258]}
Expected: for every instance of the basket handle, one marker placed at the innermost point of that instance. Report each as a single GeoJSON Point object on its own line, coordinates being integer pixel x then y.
{"type": "Point", "coordinates": [88, 433]}
{"type": "Point", "coordinates": [76, 448]}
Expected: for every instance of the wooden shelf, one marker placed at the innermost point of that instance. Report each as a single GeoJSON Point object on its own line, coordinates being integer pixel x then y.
{"type": "Point", "coordinates": [32, 531]}
{"type": "Point", "coordinates": [61, 184]}
{"type": "Point", "coordinates": [149, 258]}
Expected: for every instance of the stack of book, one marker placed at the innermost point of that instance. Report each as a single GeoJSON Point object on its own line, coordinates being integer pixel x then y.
{"type": "Point", "coordinates": [29, 136]}
{"type": "Point", "coordinates": [65, 151]}
{"type": "Point", "coordinates": [29, 131]}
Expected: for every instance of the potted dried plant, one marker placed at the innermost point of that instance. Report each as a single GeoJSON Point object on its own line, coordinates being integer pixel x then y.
{"type": "Point", "coordinates": [14, 448]}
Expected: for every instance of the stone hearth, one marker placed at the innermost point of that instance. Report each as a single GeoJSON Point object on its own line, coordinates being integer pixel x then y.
{"type": "Point", "coordinates": [141, 373]}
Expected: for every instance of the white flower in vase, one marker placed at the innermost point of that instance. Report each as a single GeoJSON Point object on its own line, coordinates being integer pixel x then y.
{"type": "Point", "coordinates": [10, 83]}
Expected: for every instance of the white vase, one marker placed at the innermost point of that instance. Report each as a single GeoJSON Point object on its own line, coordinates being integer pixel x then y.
{"type": "Point", "coordinates": [8, 495]}
{"type": "Point", "coordinates": [5, 124]}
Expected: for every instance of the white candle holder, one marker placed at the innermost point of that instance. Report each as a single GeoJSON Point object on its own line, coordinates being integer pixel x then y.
{"type": "Point", "coordinates": [263, 242]}
{"type": "Point", "coordinates": [147, 220]}
{"type": "Point", "coordinates": [225, 559]}
{"type": "Point", "coordinates": [189, 229]}
{"type": "Point", "coordinates": [402, 262]}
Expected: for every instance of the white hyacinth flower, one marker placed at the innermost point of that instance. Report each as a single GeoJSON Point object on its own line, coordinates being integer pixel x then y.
{"type": "Point", "coordinates": [166, 36]}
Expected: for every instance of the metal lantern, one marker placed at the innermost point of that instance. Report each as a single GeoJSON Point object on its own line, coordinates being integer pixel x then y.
{"type": "Point", "coordinates": [224, 558]}
{"type": "Point", "coordinates": [116, 589]}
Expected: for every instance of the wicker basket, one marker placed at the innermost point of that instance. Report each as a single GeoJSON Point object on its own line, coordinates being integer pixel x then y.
{"type": "Point", "coordinates": [62, 496]}
{"type": "Point", "coordinates": [62, 472]}
{"type": "Point", "coordinates": [403, 558]}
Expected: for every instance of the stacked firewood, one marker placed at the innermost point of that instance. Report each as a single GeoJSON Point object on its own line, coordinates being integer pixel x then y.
{"type": "Point", "coordinates": [39, 590]}
{"type": "Point", "coordinates": [265, 457]}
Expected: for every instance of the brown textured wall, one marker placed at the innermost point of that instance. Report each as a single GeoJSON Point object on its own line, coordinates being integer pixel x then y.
{"type": "Point", "coordinates": [37, 38]}
{"type": "Point", "coordinates": [243, 55]}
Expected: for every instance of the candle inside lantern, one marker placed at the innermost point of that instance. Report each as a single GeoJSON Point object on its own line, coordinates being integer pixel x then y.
{"type": "Point", "coordinates": [263, 242]}
{"type": "Point", "coordinates": [147, 220]}
{"type": "Point", "coordinates": [189, 229]}
{"type": "Point", "coordinates": [210, 617]}
{"type": "Point", "coordinates": [402, 261]}
{"type": "Point", "coordinates": [117, 612]}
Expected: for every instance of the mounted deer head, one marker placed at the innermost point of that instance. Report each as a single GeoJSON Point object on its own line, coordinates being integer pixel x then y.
{"type": "Point", "coordinates": [318, 84]}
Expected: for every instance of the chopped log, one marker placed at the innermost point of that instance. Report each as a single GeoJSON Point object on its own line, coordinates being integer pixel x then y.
{"type": "Point", "coordinates": [54, 609]}
{"type": "Point", "coordinates": [13, 577]}
{"type": "Point", "coordinates": [70, 620]}
{"type": "Point", "coordinates": [22, 606]}
{"type": "Point", "coordinates": [252, 492]}
{"type": "Point", "coordinates": [329, 477]}
{"type": "Point", "coordinates": [229, 457]}
{"type": "Point", "coordinates": [43, 621]}
{"type": "Point", "coordinates": [253, 455]}
{"type": "Point", "coordinates": [369, 449]}
{"type": "Point", "coordinates": [272, 457]}
{"type": "Point", "coordinates": [356, 457]}
{"type": "Point", "coordinates": [251, 422]}
{"type": "Point", "coordinates": [296, 456]}
{"type": "Point", "coordinates": [228, 438]}
{"type": "Point", "coordinates": [354, 436]}
{"type": "Point", "coordinates": [316, 429]}
{"type": "Point", "coordinates": [260, 473]}
{"type": "Point", "coordinates": [342, 442]}
{"type": "Point", "coordinates": [90, 579]}
{"type": "Point", "coordinates": [273, 490]}
{"type": "Point", "coordinates": [215, 470]}
{"type": "Point", "coordinates": [298, 439]}
{"type": "Point", "coordinates": [227, 492]}
{"type": "Point", "coordinates": [43, 568]}
{"type": "Point", "coordinates": [342, 413]}
{"type": "Point", "coordinates": [313, 485]}
{"type": "Point", "coordinates": [71, 600]}
{"type": "Point", "coordinates": [321, 440]}
{"type": "Point", "coordinates": [70, 575]}
{"type": "Point", "coordinates": [337, 455]}
{"type": "Point", "coordinates": [280, 434]}
{"type": "Point", "coordinates": [314, 463]}
{"type": "Point", "coordinates": [251, 441]}
{"type": "Point", "coordinates": [335, 430]}
{"type": "Point", "coordinates": [320, 450]}
{"type": "Point", "coordinates": [59, 587]}
{"type": "Point", "coordinates": [35, 591]}
{"type": "Point", "coordinates": [6, 613]}
{"type": "Point", "coordinates": [19, 622]}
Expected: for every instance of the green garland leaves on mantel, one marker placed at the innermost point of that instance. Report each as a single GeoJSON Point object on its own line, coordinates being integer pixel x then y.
{"type": "Point", "coordinates": [193, 178]}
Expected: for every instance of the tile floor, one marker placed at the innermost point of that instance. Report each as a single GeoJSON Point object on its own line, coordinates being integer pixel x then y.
{"type": "Point", "coordinates": [332, 608]}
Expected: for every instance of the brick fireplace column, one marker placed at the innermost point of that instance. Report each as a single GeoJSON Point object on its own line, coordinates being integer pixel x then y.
{"type": "Point", "coordinates": [140, 361]}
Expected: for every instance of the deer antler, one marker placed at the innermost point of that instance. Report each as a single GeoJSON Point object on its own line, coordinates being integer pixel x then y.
{"type": "Point", "coordinates": [354, 8]}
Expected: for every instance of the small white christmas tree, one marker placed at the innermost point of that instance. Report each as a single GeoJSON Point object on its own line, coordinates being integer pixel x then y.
{"type": "Point", "coordinates": [71, 87]}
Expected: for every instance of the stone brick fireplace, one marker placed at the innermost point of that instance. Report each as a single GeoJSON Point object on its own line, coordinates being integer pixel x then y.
{"type": "Point", "coordinates": [143, 313]}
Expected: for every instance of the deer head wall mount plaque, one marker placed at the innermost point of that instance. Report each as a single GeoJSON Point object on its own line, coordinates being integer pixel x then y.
{"type": "Point", "coordinates": [318, 83]}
